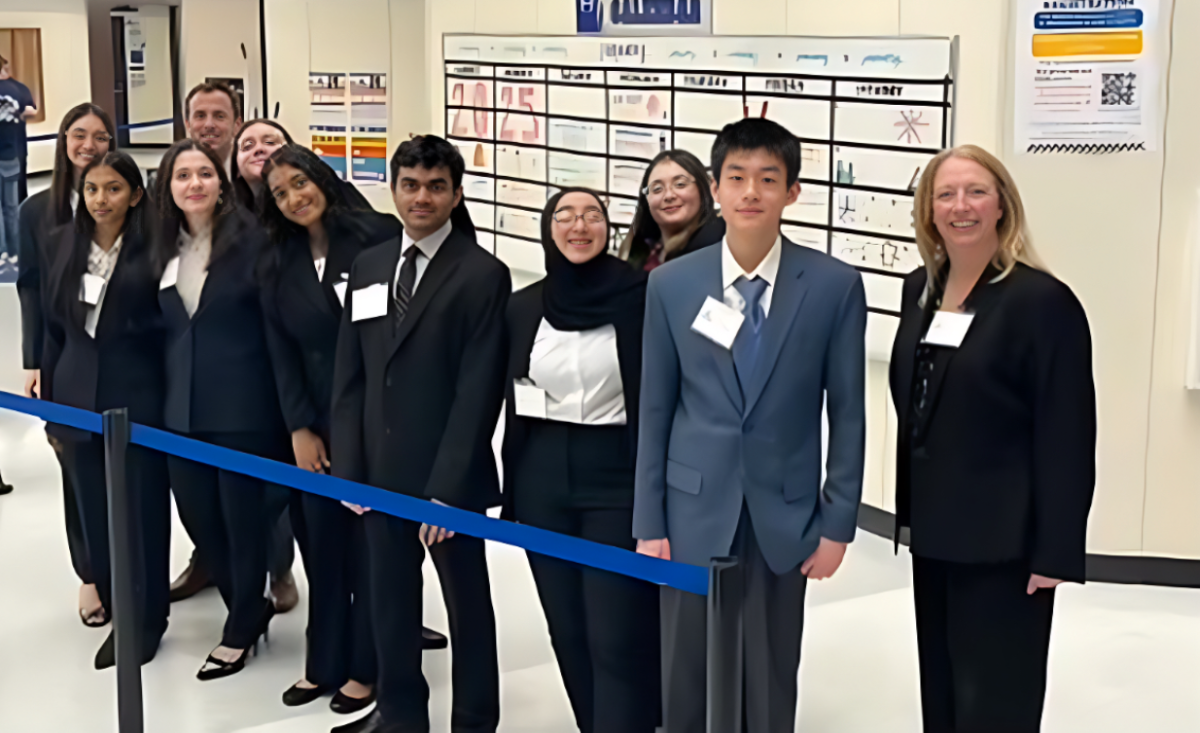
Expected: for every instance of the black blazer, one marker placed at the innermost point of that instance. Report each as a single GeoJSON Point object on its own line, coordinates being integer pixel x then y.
{"type": "Point", "coordinates": [303, 314]}
{"type": "Point", "coordinates": [219, 377]}
{"type": "Point", "coordinates": [415, 412]}
{"type": "Point", "coordinates": [123, 365]}
{"type": "Point", "coordinates": [586, 466]}
{"type": "Point", "coordinates": [711, 233]}
{"type": "Point", "coordinates": [34, 257]}
{"type": "Point", "coordinates": [1007, 464]}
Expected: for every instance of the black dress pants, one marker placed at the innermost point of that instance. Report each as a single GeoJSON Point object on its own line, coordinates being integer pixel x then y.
{"type": "Point", "coordinates": [146, 479]}
{"type": "Point", "coordinates": [604, 626]}
{"type": "Point", "coordinates": [225, 515]}
{"type": "Point", "coordinates": [333, 544]}
{"type": "Point", "coordinates": [396, 556]}
{"type": "Point", "coordinates": [76, 542]}
{"type": "Point", "coordinates": [984, 645]}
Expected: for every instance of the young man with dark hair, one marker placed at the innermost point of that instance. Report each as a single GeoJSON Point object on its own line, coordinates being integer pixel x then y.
{"type": "Point", "coordinates": [744, 345]}
{"type": "Point", "coordinates": [214, 113]}
{"type": "Point", "coordinates": [418, 384]}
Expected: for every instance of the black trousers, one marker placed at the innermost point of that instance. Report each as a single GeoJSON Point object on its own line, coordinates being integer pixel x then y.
{"type": "Point", "coordinates": [983, 644]}
{"type": "Point", "coordinates": [333, 543]}
{"type": "Point", "coordinates": [146, 479]}
{"type": "Point", "coordinates": [225, 515]}
{"type": "Point", "coordinates": [396, 604]}
{"type": "Point", "coordinates": [604, 626]}
{"type": "Point", "coordinates": [76, 541]}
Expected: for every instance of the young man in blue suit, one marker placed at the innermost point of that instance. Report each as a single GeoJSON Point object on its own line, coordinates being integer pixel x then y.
{"type": "Point", "coordinates": [745, 343]}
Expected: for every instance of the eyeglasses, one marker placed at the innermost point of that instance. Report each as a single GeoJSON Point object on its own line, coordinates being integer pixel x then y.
{"type": "Point", "coordinates": [658, 188]}
{"type": "Point", "coordinates": [566, 216]}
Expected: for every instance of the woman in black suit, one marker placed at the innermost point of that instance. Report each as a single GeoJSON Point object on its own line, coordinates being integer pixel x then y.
{"type": "Point", "coordinates": [105, 335]}
{"type": "Point", "coordinates": [220, 386]}
{"type": "Point", "coordinates": [253, 145]}
{"type": "Point", "coordinates": [86, 133]}
{"type": "Point", "coordinates": [575, 345]}
{"type": "Point", "coordinates": [314, 240]}
{"type": "Point", "coordinates": [675, 212]}
{"type": "Point", "coordinates": [991, 375]}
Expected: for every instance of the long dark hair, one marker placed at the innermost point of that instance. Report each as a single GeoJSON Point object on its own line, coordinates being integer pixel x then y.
{"type": "Point", "coordinates": [137, 226]}
{"type": "Point", "coordinates": [644, 231]}
{"type": "Point", "coordinates": [62, 181]}
{"type": "Point", "coordinates": [242, 189]}
{"type": "Point", "coordinates": [166, 245]}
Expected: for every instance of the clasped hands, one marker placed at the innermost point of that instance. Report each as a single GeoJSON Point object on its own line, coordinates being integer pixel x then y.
{"type": "Point", "coordinates": [429, 534]}
{"type": "Point", "coordinates": [820, 565]}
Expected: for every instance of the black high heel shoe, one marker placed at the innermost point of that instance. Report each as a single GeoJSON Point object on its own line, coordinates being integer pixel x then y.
{"type": "Point", "coordinates": [215, 669]}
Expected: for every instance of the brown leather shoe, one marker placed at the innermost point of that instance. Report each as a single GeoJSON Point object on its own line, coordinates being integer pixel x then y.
{"type": "Point", "coordinates": [284, 594]}
{"type": "Point", "coordinates": [191, 581]}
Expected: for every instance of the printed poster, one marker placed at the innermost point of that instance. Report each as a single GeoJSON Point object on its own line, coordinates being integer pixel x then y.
{"type": "Point", "coordinates": [368, 128]}
{"type": "Point", "coordinates": [644, 17]}
{"type": "Point", "coordinates": [1087, 76]}
{"type": "Point", "coordinates": [328, 119]}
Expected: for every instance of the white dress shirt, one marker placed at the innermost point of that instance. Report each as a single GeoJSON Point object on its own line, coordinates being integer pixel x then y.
{"type": "Point", "coordinates": [194, 254]}
{"type": "Point", "coordinates": [768, 270]}
{"type": "Point", "coordinates": [319, 263]}
{"type": "Point", "coordinates": [580, 373]}
{"type": "Point", "coordinates": [426, 249]}
{"type": "Point", "coordinates": [74, 195]}
{"type": "Point", "coordinates": [101, 264]}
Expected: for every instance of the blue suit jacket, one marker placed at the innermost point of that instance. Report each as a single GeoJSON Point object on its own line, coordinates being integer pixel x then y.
{"type": "Point", "coordinates": [706, 443]}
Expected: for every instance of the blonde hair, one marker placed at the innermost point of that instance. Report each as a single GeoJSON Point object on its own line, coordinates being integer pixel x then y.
{"type": "Point", "coordinates": [1015, 243]}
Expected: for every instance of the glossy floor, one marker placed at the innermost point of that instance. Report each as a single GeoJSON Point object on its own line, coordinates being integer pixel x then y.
{"type": "Point", "coordinates": [1125, 658]}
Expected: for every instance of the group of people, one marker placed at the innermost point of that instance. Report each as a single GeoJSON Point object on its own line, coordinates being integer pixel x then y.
{"type": "Point", "coordinates": [253, 301]}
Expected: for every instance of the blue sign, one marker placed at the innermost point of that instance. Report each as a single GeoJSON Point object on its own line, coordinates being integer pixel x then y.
{"type": "Point", "coordinates": [590, 14]}
{"type": "Point", "coordinates": [1109, 19]}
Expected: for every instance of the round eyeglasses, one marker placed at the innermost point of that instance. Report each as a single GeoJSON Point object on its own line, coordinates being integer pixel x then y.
{"type": "Point", "coordinates": [566, 216]}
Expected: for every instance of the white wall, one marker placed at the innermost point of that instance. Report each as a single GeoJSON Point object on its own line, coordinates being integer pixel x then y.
{"type": "Point", "coordinates": [212, 33]}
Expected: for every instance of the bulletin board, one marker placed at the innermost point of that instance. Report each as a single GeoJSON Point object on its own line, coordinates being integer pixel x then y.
{"type": "Point", "coordinates": [530, 114]}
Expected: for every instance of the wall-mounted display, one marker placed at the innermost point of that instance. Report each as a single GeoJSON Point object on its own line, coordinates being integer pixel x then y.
{"type": "Point", "coordinates": [647, 17]}
{"type": "Point", "coordinates": [329, 118]}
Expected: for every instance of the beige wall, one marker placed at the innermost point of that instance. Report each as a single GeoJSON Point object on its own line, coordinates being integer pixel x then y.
{"type": "Point", "coordinates": [211, 35]}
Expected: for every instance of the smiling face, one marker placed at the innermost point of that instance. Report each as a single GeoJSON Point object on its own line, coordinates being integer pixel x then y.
{"type": "Point", "coordinates": [966, 206]}
{"type": "Point", "coordinates": [87, 139]}
{"type": "Point", "coordinates": [579, 228]}
{"type": "Point", "coordinates": [424, 198]}
{"type": "Point", "coordinates": [195, 184]}
{"type": "Point", "coordinates": [108, 196]}
{"type": "Point", "coordinates": [211, 122]}
{"type": "Point", "coordinates": [753, 192]}
{"type": "Point", "coordinates": [299, 199]}
{"type": "Point", "coordinates": [673, 195]}
{"type": "Point", "coordinates": [254, 147]}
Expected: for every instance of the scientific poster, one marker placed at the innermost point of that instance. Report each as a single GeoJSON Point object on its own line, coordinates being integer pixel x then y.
{"type": "Point", "coordinates": [368, 127]}
{"type": "Point", "coordinates": [328, 119]}
{"type": "Point", "coordinates": [1087, 76]}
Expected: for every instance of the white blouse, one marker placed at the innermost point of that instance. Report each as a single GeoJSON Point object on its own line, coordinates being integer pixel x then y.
{"type": "Point", "coordinates": [580, 373]}
{"type": "Point", "coordinates": [101, 264]}
{"type": "Point", "coordinates": [194, 254]}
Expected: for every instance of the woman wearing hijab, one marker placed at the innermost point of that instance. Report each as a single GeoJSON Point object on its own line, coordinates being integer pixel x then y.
{"type": "Point", "coordinates": [575, 353]}
{"type": "Point", "coordinates": [675, 212]}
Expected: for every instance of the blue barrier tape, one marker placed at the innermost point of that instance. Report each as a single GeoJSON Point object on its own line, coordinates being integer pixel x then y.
{"type": "Point", "coordinates": [688, 578]}
{"type": "Point", "coordinates": [134, 126]}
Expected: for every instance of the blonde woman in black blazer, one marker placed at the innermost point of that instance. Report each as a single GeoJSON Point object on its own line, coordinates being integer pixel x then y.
{"type": "Point", "coordinates": [991, 375]}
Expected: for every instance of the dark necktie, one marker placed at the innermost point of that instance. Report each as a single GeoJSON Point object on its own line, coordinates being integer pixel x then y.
{"type": "Point", "coordinates": [745, 345]}
{"type": "Point", "coordinates": [405, 285]}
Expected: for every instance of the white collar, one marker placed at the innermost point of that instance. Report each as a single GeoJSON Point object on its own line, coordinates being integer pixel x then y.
{"type": "Point", "coordinates": [768, 269]}
{"type": "Point", "coordinates": [430, 245]}
{"type": "Point", "coordinates": [111, 250]}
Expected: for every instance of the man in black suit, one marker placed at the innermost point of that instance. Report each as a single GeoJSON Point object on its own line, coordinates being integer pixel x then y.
{"type": "Point", "coordinates": [418, 384]}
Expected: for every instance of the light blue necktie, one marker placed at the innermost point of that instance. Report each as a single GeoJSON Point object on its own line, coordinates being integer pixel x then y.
{"type": "Point", "coordinates": [745, 345]}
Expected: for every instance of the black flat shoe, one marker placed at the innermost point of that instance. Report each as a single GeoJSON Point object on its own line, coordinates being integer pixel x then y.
{"type": "Point", "coordinates": [94, 620]}
{"type": "Point", "coordinates": [297, 696]}
{"type": "Point", "coordinates": [106, 656]}
{"type": "Point", "coordinates": [431, 639]}
{"type": "Point", "coordinates": [343, 704]}
{"type": "Point", "coordinates": [5, 488]}
{"type": "Point", "coordinates": [373, 723]}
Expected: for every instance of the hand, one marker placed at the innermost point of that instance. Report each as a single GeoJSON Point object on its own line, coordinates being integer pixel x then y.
{"type": "Point", "coordinates": [1040, 582]}
{"type": "Point", "coordinates": [431, 535]}
{"type": "Point", "coordinates": [33, 383]}
{"type": "Point", "coordinates": [310, 451]}
{"type": "Point", "coordinates": [825, 561]}
{"type": "Point", "coordinates": [655, 548]}
{"type": "Point", "coordinates": [359, 510]}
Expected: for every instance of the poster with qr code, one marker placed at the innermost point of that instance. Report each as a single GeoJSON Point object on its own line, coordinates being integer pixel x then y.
{"type": "Point", "coordinates": [1087, 77]}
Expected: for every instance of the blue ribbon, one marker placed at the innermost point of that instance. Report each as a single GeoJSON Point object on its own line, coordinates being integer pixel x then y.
{"type": "Point", "coordinates": [690, 578]}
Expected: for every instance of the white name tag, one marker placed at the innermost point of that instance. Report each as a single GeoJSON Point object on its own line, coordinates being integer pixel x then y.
{"type": "Point", "coordinates": [948, 329]}
{"type": "Point", "coordinates": [369, 302]}
{"type": "Point", "coordinates": [91, 288]}
{"type": "Point", "coordinates": [531, 401]}
{"type": "Point", "coordinates": [170, 275]}
{"type": "Point", "coordinates": [718, 322]}
{"type": "Point", "coordinates": [339, 289]}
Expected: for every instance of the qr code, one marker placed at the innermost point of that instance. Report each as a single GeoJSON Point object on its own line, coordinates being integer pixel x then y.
{"type": "Point", "coordinates": [1120, 90]}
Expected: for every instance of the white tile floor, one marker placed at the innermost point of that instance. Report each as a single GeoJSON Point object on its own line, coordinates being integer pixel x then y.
{"type": "Point", "coordinates": [1125, 658]}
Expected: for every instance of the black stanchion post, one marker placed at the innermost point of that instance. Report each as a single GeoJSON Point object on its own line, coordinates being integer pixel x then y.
{"type": "Point", "coordinates": [123, 546]}
{"type": "Point", "coordinates": [724, 646]}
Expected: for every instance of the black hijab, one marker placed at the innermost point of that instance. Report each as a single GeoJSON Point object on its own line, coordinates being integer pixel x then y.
{"type": "Point", "coordinates": [603, 290]}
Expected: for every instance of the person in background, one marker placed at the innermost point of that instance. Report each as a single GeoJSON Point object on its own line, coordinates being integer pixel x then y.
{"type": "Point", "coordinates": [256, 141]}
{"type": "Point", "coordinates": [991, 375]}
{"type": "Point", "coordinates": [29, 111]}
{"type": "Point", "coordinates": [220, 386]}
{"type": "Point", "coordinates": [16, 104]}
{"type": "Point", "coordinates": [675, 212]}
{"type": "Point", "coordinates": [575, 346]}
{"type": "Point", "coordinates": [736, 379]}
{"type": "Point", "coordinates": [106, 331]}
{"type": "Point", "coordinates": [85, 134]}
{"type": "Point", "coordinates": [432, 350]}
{"type": "Point", "coordinates": [213, 113]}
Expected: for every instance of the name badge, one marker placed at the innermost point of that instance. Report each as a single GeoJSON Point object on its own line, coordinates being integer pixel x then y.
{"type": "Point", "coordinates": [339, 289]}
{"type": "Point", "coordinates": [369, 302]}
{"type": "Point", "coordinates": [718, 322]}
{"type": "Point", "coordinates": [91, 288]}
{"type": "Point", "coordinates": [948, 329]}
{"type": "Point", "coordinates": [170, 275]}
{"type": "Point", "coordinates": [530, 400]}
